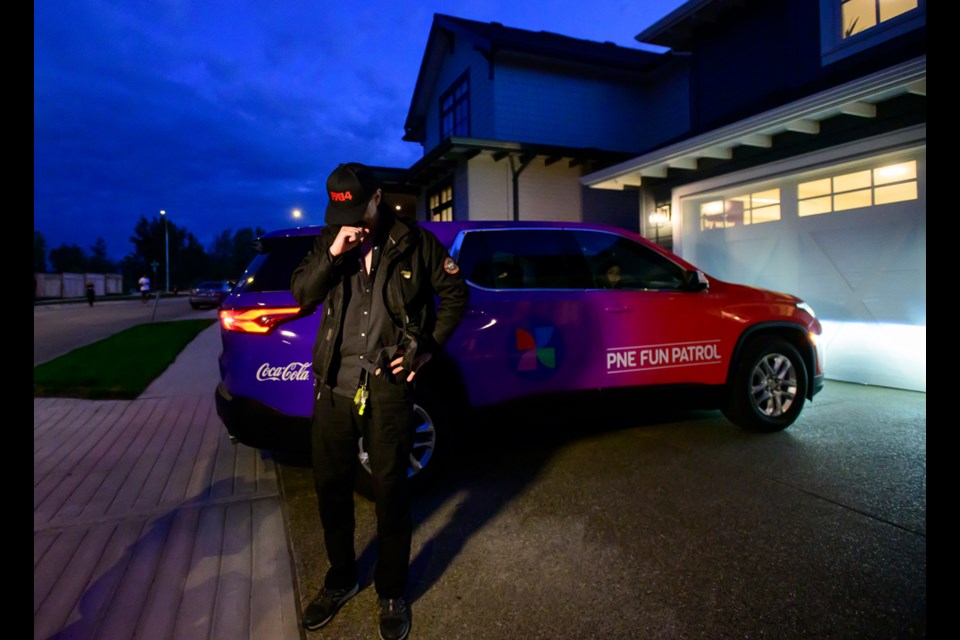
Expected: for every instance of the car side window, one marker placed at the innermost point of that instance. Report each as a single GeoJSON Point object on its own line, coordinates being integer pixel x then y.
{"type": "Point", "coordinates": [524, 259]}
{"type": "Point", "coordinates": [619, 263]}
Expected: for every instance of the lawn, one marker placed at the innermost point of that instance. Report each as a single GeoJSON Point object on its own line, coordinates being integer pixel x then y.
{"type": "Point", "coordinates": [120, 367]}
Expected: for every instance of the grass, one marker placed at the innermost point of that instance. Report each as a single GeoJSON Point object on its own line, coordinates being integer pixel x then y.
{"type": "Point", "coordinates": [120, 367]}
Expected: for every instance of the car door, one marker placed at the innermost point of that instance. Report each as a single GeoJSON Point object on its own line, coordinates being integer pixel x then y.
{"type": "Point", "coordinates": [529, 328]}
{"type": "Point", "coordinates": [652, 327]}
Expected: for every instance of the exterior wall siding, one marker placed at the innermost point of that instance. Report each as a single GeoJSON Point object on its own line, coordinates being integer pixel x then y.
{"type": "Point", "coordinates": [769, 54]}
{"type": "Point", "coordinates": [546, 192]}
{"type": "Point", "coordinates": [553, 105]}
{"type": "Point", "coordinates": [550, 192]}
{"type": "Point", "coordinates": [481, 93]}
{"type": "Point", "coordinates": [490, 194]}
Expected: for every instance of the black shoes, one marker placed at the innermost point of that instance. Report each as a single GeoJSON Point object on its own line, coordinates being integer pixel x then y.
{"type": "Point", "coordinates": [325, 605]}
{"type": "Point", "coordinates": [394, 619]}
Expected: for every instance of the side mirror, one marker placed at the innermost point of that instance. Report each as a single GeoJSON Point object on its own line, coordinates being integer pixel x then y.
{"type": "Point", "coordinates": [695, 280]}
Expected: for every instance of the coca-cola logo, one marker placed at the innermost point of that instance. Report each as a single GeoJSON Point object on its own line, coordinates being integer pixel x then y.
{"type": "Point", "coordinates": [295, 371]}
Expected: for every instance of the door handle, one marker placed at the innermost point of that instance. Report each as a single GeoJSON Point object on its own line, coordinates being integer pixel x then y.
{"type": "Point", "coordinates": [618, 308]}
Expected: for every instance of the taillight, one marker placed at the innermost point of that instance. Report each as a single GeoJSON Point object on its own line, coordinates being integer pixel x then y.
{"type": "Point", "coordinates": [262, 320]}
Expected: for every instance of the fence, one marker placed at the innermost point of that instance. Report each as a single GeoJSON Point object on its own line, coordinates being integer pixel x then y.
{"type": "Point", "coordinates": [74, 285]}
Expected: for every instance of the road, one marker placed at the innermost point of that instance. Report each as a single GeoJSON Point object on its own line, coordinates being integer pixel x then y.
{"type": "Point", "coordinates": [62, 327]}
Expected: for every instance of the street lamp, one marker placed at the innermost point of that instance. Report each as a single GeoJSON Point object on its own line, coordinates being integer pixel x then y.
{"type": "Point", "coordinates": [166, 249]}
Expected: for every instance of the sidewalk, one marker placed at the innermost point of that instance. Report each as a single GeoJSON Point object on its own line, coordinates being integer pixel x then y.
{"type": "Point", "coordinates": [149, 523]}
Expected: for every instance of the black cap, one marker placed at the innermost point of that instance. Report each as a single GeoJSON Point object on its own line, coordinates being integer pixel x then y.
{"type": "Point", "coordinates": [350, 188]}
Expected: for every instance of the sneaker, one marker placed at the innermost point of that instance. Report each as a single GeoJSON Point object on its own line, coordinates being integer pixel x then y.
{"type": "Point", "coordinates": [394, 619]}
{"type": "Point", "coordinates": [325, 605]}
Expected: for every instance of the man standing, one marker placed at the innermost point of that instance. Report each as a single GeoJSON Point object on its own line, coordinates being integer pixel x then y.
{"type": "Point", "coordinates": [377, 277]}
{"type": "Point", "coordinates": [144, 283]}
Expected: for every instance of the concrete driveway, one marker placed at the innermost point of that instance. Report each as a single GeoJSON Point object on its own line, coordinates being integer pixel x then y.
{"type": "Point", "coordinates": [642, 519]}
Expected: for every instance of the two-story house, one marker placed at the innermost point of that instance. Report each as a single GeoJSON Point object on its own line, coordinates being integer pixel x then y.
{"type": "Point", "coordinates": [773, 142]}
{"type": "Point", "coordinates": [510, 120]}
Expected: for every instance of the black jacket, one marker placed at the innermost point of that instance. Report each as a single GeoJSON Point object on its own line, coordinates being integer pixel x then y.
{"type": "Point", "coordinates": [414, 267]}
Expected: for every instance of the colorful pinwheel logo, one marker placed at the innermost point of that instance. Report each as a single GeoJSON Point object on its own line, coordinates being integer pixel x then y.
{"type": "Point", "coordinates": [535, 348]}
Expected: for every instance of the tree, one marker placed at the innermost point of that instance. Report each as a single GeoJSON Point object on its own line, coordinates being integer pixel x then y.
{"type": "Point", "coordinates": [68, 259]}
{"type": "Point", "coordinates": [98, 261]}
{"type": "Point", "coordinates": [230, 255]}
{"type": "Point", "coordinates": [154, 240]}
{"type": "Point", "coordinates": [39, 253]}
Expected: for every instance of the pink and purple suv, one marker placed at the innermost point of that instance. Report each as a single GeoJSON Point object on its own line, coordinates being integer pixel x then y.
{"type": "Point", "coordinates": [555, 308]}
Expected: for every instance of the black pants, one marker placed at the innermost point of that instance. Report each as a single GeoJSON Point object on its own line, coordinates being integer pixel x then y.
{"type": "Point", "coordinates": [387, 429]}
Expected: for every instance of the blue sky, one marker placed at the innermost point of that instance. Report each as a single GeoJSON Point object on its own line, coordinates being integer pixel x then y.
{"type": "Point", "coordinates": [231, 113]}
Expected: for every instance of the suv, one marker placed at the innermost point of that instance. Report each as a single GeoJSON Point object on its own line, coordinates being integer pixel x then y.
{"type": "Point", "coordinates": [555, 308]}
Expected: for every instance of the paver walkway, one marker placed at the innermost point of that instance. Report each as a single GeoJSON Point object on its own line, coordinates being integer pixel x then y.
{"type": "Point", "coordinates": [149, 523]}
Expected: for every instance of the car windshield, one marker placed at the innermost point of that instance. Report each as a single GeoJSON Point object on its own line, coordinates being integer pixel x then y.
{"type": "Point", "coordinates": [212, 285]}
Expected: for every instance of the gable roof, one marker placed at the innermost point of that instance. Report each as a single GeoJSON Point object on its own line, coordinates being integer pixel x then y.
{"type": "Point", "coordinates": [675, 30]}
{"type": "Point", "coordinates": [491, 38]}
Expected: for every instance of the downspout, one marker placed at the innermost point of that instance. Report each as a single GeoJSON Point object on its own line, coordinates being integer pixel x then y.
{"type": "Point", "coordinates": [524, 161]}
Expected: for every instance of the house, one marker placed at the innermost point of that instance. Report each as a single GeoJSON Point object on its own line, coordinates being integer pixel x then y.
{"type": "Point", "coordinates": [803, 167]}
{"type": "Point", "coordinates": [510, 120]}
{"type": "Point", "coordinates": [771, 142]}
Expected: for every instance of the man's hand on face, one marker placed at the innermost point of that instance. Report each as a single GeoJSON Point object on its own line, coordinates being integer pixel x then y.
{"type": "Point", "coordinates": [348, 238]}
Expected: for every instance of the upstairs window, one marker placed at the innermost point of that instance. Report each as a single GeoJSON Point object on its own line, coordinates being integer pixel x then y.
{"type": "Point", "coordinates": [860, 15]}
{"type": "Point", "coordinates": [851, 26]}
{"type": "Point", "coordinates": [455, 109]}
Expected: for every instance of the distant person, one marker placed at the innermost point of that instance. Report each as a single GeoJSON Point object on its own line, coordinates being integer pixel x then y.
{"type": "Point", "coordinates": [91, 293]}
{"type": "Point", "coordinates": [144, 283]}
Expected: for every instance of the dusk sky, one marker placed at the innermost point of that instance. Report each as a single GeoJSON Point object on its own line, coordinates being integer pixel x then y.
{"type": "Point", "coordinates": [231, 113]}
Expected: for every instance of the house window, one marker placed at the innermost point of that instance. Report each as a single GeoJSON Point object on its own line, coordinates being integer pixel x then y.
{"type": "Point", "coordinates": [848, 27]}
{"type": "Point", "coordinates": [748, 208]}
{"type": "Point", "coordinates": [441, 204]}
{"type": "Point", "coordinates": [860, 15]}
{"type": "Point", "coordinates": [880, 185]}
{"type": "Point", "coordinates": [455, 109]}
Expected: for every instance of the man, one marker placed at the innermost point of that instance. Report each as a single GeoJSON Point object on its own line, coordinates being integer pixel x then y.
{"type": "Point", "coordinates": [144, 283]}
{"type": "Point", "coordinates": [377, 277]}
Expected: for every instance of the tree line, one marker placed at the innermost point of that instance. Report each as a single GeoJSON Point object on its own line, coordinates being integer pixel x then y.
{"type": "Point", "coordinates": [226, 258]}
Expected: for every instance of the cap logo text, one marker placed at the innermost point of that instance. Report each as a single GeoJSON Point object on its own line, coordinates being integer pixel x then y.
{"type": "Point", "coordinates": [341, 196]}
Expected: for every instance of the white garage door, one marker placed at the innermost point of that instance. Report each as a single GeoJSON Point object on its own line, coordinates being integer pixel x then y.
{"type": "Point", "coordinates": [844, 229]}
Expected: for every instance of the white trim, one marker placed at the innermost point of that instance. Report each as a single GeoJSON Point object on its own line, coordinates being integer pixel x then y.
{"type": "Point", "coordinates": [868, 90]}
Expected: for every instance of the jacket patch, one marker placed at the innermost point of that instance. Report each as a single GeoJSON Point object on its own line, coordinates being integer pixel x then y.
{"type": "Point", "coordinates": [450, 266]}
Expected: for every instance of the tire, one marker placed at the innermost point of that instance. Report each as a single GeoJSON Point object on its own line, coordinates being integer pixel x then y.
{"type": "Point", "coordinates": [423, 463]}
{"type": "Point", "coordinates": [195, 306]}
{"type": "Point", "coordinates": [768, 388]}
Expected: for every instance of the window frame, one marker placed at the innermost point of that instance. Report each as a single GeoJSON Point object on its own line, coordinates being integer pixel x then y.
{"type": "Point", "coordinates": [834, 47]}
{"type": "Point", "coordinates": [459, 126]}
{"type": "Point", "coordinates": [444, 209]}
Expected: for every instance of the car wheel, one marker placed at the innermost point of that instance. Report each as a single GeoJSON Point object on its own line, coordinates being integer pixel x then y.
{"type": "Point", "coordinates": [422, 463]}
{"type": "Point", "coordinates": [194, 305]}
{"type": "Point", "coordinates": [768, 387]}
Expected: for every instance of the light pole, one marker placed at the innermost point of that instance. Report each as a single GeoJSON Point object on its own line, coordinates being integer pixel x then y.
{"type": "Point", "coordinates": [166, 249]}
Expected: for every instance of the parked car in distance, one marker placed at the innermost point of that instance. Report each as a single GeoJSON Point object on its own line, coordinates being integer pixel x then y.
{"type": "Point", "coordinates": [555, 308]}
{"type": "Point", "coordinates": [210, 294]}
